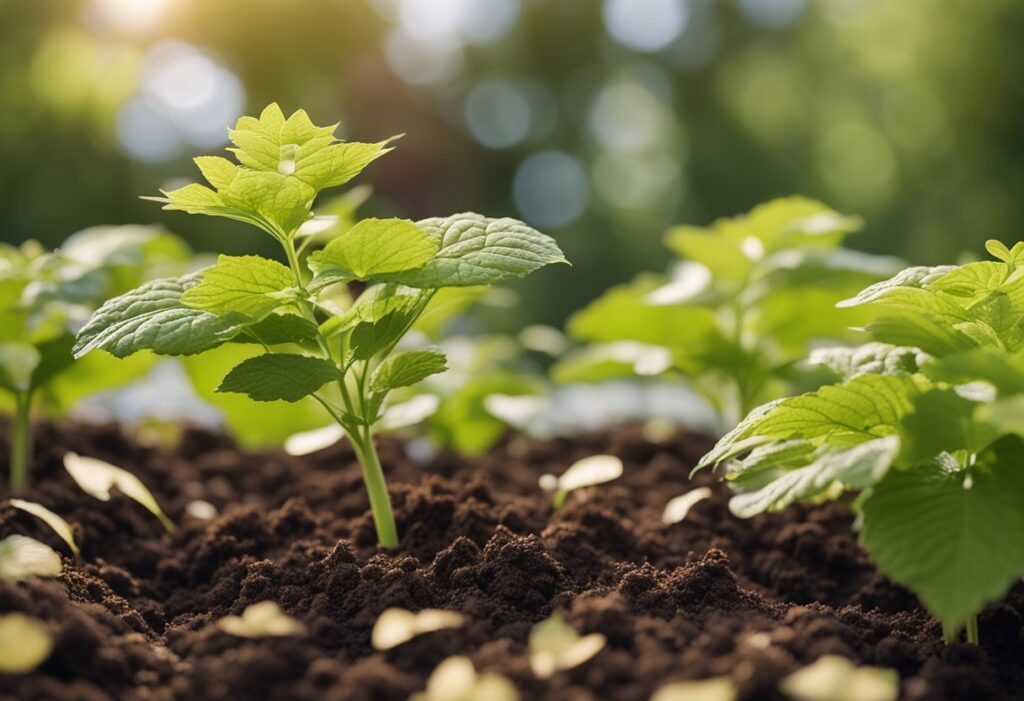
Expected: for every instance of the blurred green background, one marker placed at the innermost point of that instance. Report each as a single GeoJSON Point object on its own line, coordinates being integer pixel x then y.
{"type": "Point", "coordinates": [601, 122]}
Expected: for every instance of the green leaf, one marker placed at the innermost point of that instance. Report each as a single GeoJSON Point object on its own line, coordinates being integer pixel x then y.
{"type": "Point", "coordinates": [1004, 371]}
{"type": "Point", "coordinates": [374, 247]}
{"type": "Point", "coordinates": [248, 285]}
{"type": "Point", "coordinates": [280, 376]}
{"type": "Point", "coordinates": [22, 557]}
{"type": "Point", "coordinates": [17, 363]}
{"type": "Point", "coordinates": [951, 538]}
{"type": "Point", "coordinates": [407, 368]}
{"type": "Point", "coordinates": [276, 329]}
{"type": "Point", "coordinates": [869, 359]}
{"type": "Point", "coordinates": [153, 317]}
{"type": "Point", "coordinates": [98, 479]}
{"type": "Point", "coordinates": [371, 337]}
{"type": "Point", "coordinates": [61, 527]}
{"type": "Point", "coordinates": [858, 467]}
{"type": "Point", "coordinates": [942, 421]}
{"type": "Point", "coordinates": [475, 250]}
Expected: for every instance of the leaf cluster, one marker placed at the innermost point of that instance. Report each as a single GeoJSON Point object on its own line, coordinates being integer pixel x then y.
{"type": "Point", "coordinates": [926, 423]}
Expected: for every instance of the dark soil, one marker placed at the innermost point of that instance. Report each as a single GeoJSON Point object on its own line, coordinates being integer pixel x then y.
{"type": "Point", "coordinates": [710, 596]}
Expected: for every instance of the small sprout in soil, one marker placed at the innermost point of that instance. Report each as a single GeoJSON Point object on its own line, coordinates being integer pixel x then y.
{"type": "Point", "coordinates": [319, 343]}
{"type": "Point", "coordinates": [201, 509]}
{"type": "Point", "coordinates": [936, 461]}
{"type": "Point", "coordinates": [25, 643]}
{"type": "Point", "coordinates": [308, 442]}
{"type": "Point", "coordinates": [61, 527]}
{"type": "Point", "coordinates": [262, 620]}
{"type": "Point", "coordinates": [456, 679]}
{"type": "Point", "coordinates": [397, 626]}
{"type": "Point", "coordinates": [97, 478]}
{"type": "Point", "coordinates": [22, 557]}
{"type": "Point", "coordinates": [835, 678]}
{"type": "Point", "coordinates": [588, 472]}
{"type": "Point", "coordinates": [714, 689]}
{"type": "Point", "coordinates": [677, 508]}
{"type": "Point", "coordinates": [555, 646]}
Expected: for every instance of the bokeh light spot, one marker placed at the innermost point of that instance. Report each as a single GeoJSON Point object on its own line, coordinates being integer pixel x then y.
{"type": "Point", "coordinates": [498, 114]}
{"type": "Point", "coordinates": [773, 14]}
{"type": "Point", "coordinates": [646, 25]}
{"type": "Point", "coordinates": [132, 15]}
{"type": "Point", "coordinates": [550, 189]}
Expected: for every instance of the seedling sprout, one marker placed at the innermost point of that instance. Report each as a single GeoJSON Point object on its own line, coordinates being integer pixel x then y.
{"type": "Point", "coordinates": [588, 472]}
{"type": "Point", "coordinates": [397, 626]}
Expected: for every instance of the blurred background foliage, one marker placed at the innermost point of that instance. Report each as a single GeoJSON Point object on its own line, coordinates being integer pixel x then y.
{"type": "Point", "coordinates": [601, 122]}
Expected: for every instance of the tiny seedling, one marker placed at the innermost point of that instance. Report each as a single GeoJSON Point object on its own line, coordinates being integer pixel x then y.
{"type": "Point", "coordinates": [397, 626]}
{"type": "Point", "coordinates": [22, 557]}
{"type": "Point", "coordinates": [43, 297]}
{"type": "Point", "coordinates": [98, 479]}
{"type": "Point", "coordinates": [317, 344]}
{"type": "Point", "coordinates": [926, 422]}
{"type": "Point", "coordinates": [588, 472]}
{"type": "Point", "coordinates": [714, 689]}
{"type": "Point", "coordinates": [556, 646]}
{"type": "Point", "coordinates": [835, 678]}
{"type": "Point", "coordinates": [677, 508]}
{"type": "Point", "coordinates": [738, 310]}
{"type": "Point", "coordinates": [25, 643]}
{"type": "Point", "coordinates": [61, 527]}
{"type": "Point", "coordinates": [262, 620]}
{"type": "Point", "coordinates": [456, 679]}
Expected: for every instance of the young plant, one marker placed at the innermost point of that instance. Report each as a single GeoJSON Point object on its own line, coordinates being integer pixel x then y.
{"type": "Point", "coordinates": [316, 342]}
{"type": "Point", "coordinates": [747, 298]}
{"type": "Point", "coordinates": [926, 422]}
{"type": "Point", "coordinates": [44, 296]}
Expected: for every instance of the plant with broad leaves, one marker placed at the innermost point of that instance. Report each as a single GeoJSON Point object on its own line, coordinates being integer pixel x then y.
{"type": "Point", "coordinates": [927, 423]}
{"type": "Point", "coordinates": [44, 297]}
{"type": "Point", "coordinates": [735, 314]}
{"type": "Point", "coordinates": [316, 343]}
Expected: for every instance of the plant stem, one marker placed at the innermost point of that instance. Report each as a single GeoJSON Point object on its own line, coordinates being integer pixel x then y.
{"type": "Point", "coordinates": [972, 630]}
{"type": "Point", "coordinates": [376, 487]}
{"type": "Point", "coordinates": [21, 442]}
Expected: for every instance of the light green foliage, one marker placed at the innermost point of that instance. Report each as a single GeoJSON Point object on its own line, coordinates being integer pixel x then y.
{"type": "Point", "coordinates": [44, 296]}
{"type": "Point", "coordinates": [748, 298]}
{"type": "Point", "coordinates": [319, 343]}
{"type": "Point", "coordinates": [98, 479]}
{"type": "Point", "coordinates": [25, 642]}
{"type": "Point", "coordinates": [61, 527]}
{"type": "Point", "coordinates": [930, 433]}
{"type": "Point", "coordinates": [22, 557]}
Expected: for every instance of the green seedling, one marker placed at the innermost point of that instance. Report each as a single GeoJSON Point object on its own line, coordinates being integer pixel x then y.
{"type": "Point", "coordinates": [316, 342]}
{"type": "Point", "coordinates": [835, 678]}
{"type": "Point", "coordinates": [397, 626]}
{"type": "Point", "coordinates": [714, 689]}
{"type": "Point", "coordinates": [677, 508]}
{"type": "Point", "coordinates": [98, 479]}
{"type": "Point", "coordinates": [61, 527]}
{"type": "Point", "coordinates": [44, 296]}
{"type": "Point", "coordinates": [262, 620]}
{"type": "Point", "coordinates": [25, 643]}
{"type": "Point", "coordinates": [588, 472]}
{"type": "Point", "coordinates": [22, 557]}
{"type": "Point", "coordinates": [744, 303]}
{"type": "Point", "coordinates": [926, 423]}
{"type": "Point", "coordinates": [556, 646]}
{"type": "Point", "coordinates": [456, 679]}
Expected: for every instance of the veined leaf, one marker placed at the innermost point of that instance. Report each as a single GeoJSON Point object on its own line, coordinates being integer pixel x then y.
{"type": "Point", "coordinates": [1004, 371]}
{"type": "Point", "coordinates": [475, 250]}
{"type": "Point", "coordinates": [407, 368]}
{"type": "Point", "coordinates": [374, 247]}
{"type": "Point", "coordinates": [869, 359]}
{"type": "Point", "coordinates": [279, 376]}
{"type": "Point", "coordinates": [369, 338]}
{"type": "Point", "coordinates": [945, 536]}
{"type": "Point", "coordinates": [248, 285]}
{"type": "Point", "coordinates": [153, 317]}
{"type": "Point", "coordinates": [276, 329]}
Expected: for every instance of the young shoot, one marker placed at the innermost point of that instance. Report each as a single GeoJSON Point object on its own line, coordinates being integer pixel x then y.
{"type": "Point", "coordinates": [456, 679]}
{"type": "Point", "coordinates": [262, 620]}
{"type": "Point", "coordinates": [555, 646]}
{"type": "Point", "coordinates": [588, 472]}
{"type": "Point", "coordinates": [22, 557]}
{"type": "Point", "coordinates": [677, 508]}
{"type": "Point", "coordinates": [347, 356]}
{"type": "Point", "coordinates": [25, 643]}
{"type": "Point", "coordinates": [397, 626]}
{"type": "Point", "coordinates": [98, 479]}
{"type": "Point", "coordinates": [714, 689]}
{"type": "Point", "coordinates": [835, 678]}
{"type": "Point", "coordinates": [61, 527]}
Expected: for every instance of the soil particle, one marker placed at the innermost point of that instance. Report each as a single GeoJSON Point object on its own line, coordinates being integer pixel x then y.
{"type": "Point", "coordinates": [713, 595]}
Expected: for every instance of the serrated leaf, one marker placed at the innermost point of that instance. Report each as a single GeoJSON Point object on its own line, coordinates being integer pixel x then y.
{"type": "Point", "coordinates": [858, 467]}
{"type": "Point", "coordinates": [369, 338]}
{"type": "Point", "coordinates": [374, 247]}
{"type": "Point", "coordinates": [98, 479]}
{"type": "Point", "coordinates": [280, 376]}
{"type": "Point", "coordinates": [475, 250]}
{"type": "Point", "coordinates": [18, 361]}
{"type": "Point", "coordinates": [869, 359]}
{"type": "Point", "coordinates": [153, 317]}
{"type": "Point", "coordinates": [946, 536]}
{"type": "Point", "coordinates": [407, 368]}
{"type": "Point", "coordinates": [943, 421]}
{"type": "Point", "coordinates": [22, 557]}
{"type": "Point", "coordinates": [61, 527]}
{"type": "Point", "coordinates": [276, 329]}
{"type": "Point", "coordinates": [25, 643]}
{"type": "Point", "coordinates": [248, 285]}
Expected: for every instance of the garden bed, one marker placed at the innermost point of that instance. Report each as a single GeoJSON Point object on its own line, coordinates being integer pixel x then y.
{"type": "Point", "coordinates": [713, 595]}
